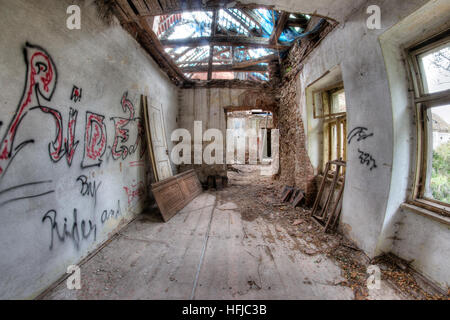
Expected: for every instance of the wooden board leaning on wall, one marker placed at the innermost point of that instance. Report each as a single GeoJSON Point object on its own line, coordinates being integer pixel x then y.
{"type": "Point", "coordinates": [175, 193]}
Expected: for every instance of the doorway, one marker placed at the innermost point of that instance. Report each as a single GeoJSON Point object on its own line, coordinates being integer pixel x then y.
{"type": "Point", "coordinates": [249, 141]}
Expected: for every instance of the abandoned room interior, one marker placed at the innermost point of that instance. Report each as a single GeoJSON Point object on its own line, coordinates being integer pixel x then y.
{"type": "Point", "coordinates": [237, 150]}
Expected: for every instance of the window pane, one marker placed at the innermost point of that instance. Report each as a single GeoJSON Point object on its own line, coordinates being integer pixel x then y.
{"type": "Point", "coordinates": [334, 143]}
{"type": "Point", "coordinates": [343, 141]}
{"type": "Point", "coordinates": [338, 102]}
{"type": "Point", "coordinates": [439, 181]}
{"type": "Point", "coordinates": [436, 69]}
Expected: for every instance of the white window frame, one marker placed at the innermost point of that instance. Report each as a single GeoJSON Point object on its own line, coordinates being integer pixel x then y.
{"type": "Point", "coordinates": [423, 103]}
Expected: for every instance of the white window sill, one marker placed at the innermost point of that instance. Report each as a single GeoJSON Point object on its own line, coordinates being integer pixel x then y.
{"type": "Point", "coordinates": [426, 213]}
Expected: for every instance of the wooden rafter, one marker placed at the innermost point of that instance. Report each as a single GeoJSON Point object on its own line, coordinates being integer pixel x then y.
{"type": "Point", "coordinates": [239, 19]}
{"type": "Point", "coordinates": [281, 24]}
{"type": "Point", "coordinates": [222, 51]}
{"type": "Point", "coordinates": [252, 42]}
{"type": "Point", "coordinates": [196, 55]}
{"type": "Point", "coordinates": [203, 61]}
{"type": "Point", "coordinates": [181, 54]}
{"type": "Point", "coordinates": [125, 7]}
{"type": "Point", "coordinates": [249, 13]}
{"type": "Point", "coordinates": [223, 83]}
{"type": "Point", "coordinates": [156, 45]}
{"type": "Point", "coordinates": [224, 68]}
{"type": "Point", "coordinates": [136, 16]}
{"type": "Point", "coordinates": [248, 63]}
{"type": "Point", "coordinates": [141, 7]}
{"type": "Point", "coordinates": [211, 46]}
{"type": "Point", "coordinates": [139, 27]}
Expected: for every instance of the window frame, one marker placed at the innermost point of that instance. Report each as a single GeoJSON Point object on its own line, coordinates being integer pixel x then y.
{"type": "Point", "coordinates": [341, 139]}
{"type": "Point", "coordinates": [331, 120]}
{"type": "Point", "coordinates": [423, 103]}
{"type": "Point", "coordinates": [327, 94]}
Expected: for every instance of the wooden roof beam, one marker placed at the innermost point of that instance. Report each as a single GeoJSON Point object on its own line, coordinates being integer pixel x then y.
{"type": "Point", "coordinates": [224, 68]}
{"type": "Point", "coordinates": [248, 63]}
{"type": "Point", "coordinates": [252, 42]}
{"type": "Point", "coordinates": [252, 16]}
{"type": "Point", "coordinates": [239, 20]}
{"type": "Point", "coordinates": [211, 46]}
{"type": "Point", "coordinates": [278, 29]}
{"type": "Point", "coordinates": [157, 50]}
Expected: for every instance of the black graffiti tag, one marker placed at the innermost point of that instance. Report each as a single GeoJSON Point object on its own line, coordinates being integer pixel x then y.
{"type": "Point", "coordinates": [73, 233]}
{"type": "Point", "coordinates": [88, 188]}
{"type": "Point", "coordinates": [366, 159]}
{"type": "Point", "coordinates": [77, 94]}
{"type": "Point", "coordinates": [360, 133]}
{"type": "Point", "coordinates": [112, 214]}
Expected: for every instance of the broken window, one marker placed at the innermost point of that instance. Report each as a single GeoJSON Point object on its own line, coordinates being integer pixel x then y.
{"type": "Point", "coordinates": [430, 64]}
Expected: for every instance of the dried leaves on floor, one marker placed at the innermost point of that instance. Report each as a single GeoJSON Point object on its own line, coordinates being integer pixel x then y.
{"type": "Point", "coordinates": [259, 197]}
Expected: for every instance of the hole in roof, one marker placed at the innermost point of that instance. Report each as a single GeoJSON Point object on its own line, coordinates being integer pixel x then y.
{"type": "Point", "coordinates": [241, 41]}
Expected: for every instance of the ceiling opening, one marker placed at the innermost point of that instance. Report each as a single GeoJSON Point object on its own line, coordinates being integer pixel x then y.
{"type": "Point", "coordinates": [202, 44]}
{"type": "Point", "coordinates": [227, 44]}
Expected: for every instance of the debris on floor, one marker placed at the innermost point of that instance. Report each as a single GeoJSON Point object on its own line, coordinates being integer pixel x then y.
{"type": "Point", "coordinates": [239, 243]}
{"type": "Point", "coordinates": [293, 196]}
{"type": "Point", "coordinates": [259, 197]}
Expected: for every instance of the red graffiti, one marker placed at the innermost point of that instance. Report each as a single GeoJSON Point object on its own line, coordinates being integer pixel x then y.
{"type": "Point", "coordinates": [95, 140]}
{"type": "Point", "coordinates": [135, 192]}
{"type": "Point", "coordinates": [139, 163]}
{"type": "Point", "coordinates": [119, 150]}
{"type": "Point", "coordinates": [40, 83]}
{"type": "Point", "coordinates": [69, 142]}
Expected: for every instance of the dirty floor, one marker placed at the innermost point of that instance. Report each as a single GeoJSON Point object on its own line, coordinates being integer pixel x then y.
{"type": "Point", "coordinates": [237, 243]}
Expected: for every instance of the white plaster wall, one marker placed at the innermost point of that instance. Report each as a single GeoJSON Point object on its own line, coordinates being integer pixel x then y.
{"type": "Point", "coordinates": [426, 244]}
{"type": "Point", "coordinates": [419, 239]}
{"type": "Point", "coordinates": [358, 53]}
{"type": "Point", "coordinates": [376, 86]}
{"type": "Point", "coordinates": [105, 62]}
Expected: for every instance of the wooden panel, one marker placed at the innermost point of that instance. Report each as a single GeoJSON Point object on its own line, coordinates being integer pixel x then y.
{"type": "Point", "coordinates": [191, 186]}
{"type": "Point", "coordinates": [175, 193]}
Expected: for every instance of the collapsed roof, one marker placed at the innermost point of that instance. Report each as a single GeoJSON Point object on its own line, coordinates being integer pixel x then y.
{"type": "Point", "coordinates": [197, 43]}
